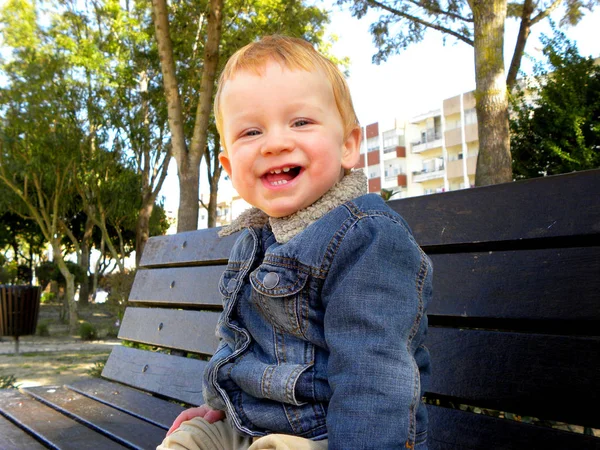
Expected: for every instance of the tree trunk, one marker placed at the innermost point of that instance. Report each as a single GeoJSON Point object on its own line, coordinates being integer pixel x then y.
{"type": "Point", "coordinates": [214, 170]}
{"type": "Point", "coordinates": [212, 206]}
{"type": "Point", "coordinates": [189, 178]}
{"type": "Point", "coordinates": [174, 113]}
{"type": "Point", "coordinates": [142, 231]}
{"type": "Point", "coordinates": [84, 289]}
{"type": "Point", "coordinates": [69, 286]}
{"type": "Point", "coordinates": [494, 163]}
{"type": "Point", "coordinates": [188, 160]}
{"type": "Point", "coordinates": [524, 31]}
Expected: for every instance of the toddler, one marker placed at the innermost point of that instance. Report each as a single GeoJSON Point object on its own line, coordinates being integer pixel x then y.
{"type": "Point", "coordinates": [325, 293]}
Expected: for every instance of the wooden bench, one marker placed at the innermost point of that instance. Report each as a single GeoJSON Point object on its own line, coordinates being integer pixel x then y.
{"type": "Point", "coordinates": [514, 327]}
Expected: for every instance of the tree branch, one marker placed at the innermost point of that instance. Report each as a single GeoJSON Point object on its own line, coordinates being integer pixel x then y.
{"type": "Point", "coordinates": [543, 14]}
{"type": "Point", "coordinates": [412, 18]}
{"type": "Point", "coordinates": [441, 11]}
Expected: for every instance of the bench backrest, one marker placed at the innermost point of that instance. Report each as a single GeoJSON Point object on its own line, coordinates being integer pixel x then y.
{"type": "Point", "coordinates": [514, 322]}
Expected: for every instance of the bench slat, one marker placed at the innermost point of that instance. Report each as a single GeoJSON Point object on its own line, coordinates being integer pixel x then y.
{"type": "Point", "coordinates": [462, 283]}
{"type": "Point", "coordinates": [181, 286]}
{"type": "Point", "coordinates": [193, 331]}
{"type": "Point", "coordinates": [452, 429]}
{"type": "Point", "coordinates": [557, 206]}
{"type": "Point", "coordinates": [516, 284]}
{"type": "Point", "coordinates": [542, 376]}
{"type": "Point", "coordinates": [131, 401]}
{"type": "Point", "coordinates": [121, 427]}
{"type": "Point", "coordinates": [52, 427]}
{"type": "Point", "coordinates": [171, 376]}
{"type": "Point", "coordinates": [14, 438]}
{"type": "Point", "coordinates": [197, 247]}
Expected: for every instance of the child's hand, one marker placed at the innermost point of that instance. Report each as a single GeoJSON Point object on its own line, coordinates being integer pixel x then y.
{"type": "Point", "coordinates": [204, 411]}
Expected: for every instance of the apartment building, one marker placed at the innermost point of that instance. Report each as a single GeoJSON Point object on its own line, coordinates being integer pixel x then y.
{"type": "Point", "coordinates": [432, 152]}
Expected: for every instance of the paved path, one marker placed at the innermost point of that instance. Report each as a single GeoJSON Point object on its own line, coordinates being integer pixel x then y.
{"type": "Point", "coordinates": [31, 344]}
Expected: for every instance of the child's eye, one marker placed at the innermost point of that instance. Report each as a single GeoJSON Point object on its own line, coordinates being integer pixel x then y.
{"type": "Point", "coordinates": [252, 133]}
{"type": "Point", "coordinates": [301, 123]}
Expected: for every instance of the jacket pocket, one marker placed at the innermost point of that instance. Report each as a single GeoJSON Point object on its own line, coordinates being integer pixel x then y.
{"type": "Point", "coordinates": [281, 295]}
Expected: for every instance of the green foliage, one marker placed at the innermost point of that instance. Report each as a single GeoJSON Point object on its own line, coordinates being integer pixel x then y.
{"type": "Point", "coordinates": [118, 285]}
{"type": "Point", "coordinates": [387, 194]}
{"type": "Point", "coordinates": [8, 382]}
{"type": "Point", "coordinates": [43, 328]}
{"type": "Point", "coordinates": [48, 271]}
{"type": "Point", "coordinates": [96, 370]}
{"type": "Point", "coordinates": [555, 123]}
{"type": "Point", "coordinates": [87, 332]}
{"type": "Point", "coordinates": [48, 297]}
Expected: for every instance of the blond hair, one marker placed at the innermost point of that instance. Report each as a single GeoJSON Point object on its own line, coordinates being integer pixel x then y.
{"type": "Point", "coordinates": [294, 54]}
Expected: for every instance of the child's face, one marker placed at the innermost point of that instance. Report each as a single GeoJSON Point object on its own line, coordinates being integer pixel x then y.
{"type": "Point", "coordinates": [284, 138]}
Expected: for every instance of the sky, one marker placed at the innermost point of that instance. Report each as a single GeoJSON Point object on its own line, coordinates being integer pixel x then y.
{"type": "Point", "coordinates": [417, 80]}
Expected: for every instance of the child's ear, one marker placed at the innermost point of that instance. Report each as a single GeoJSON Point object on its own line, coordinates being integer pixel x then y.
{"type": "Point", "coordinates": [224, 160]}
{"type": "Point", "coordinates": [351, 149]}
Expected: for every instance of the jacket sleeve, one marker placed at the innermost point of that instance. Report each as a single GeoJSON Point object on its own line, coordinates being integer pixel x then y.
{"type": "Point", "coordinates": [375, 299]}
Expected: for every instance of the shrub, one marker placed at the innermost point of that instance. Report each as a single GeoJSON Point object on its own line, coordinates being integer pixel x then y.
{"type": "Point", "coordinates": [96, 370]}
{"type": "Point", "coordinates": [48, 271]}
{"type": "Point", "coordinates": [48, 297]}
{"type": "Point", "coordinates": [118, 285]}
{"type": "Point", "coordinates": [43, 328]}
{"type": "Point", "coordinates": [112, 332]}
{"type": "Point", "coordinates": [8, 382]}
{"type": "Point", "coordinates": [87, 331]}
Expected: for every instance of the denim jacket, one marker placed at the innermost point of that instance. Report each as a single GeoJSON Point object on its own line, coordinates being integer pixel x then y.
{"type": "Point", "coordinates": [322, 336]}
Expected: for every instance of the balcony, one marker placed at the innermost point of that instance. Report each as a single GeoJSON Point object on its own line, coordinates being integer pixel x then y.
{"type": "Point", "coordinates": [397, 151]}
{"type": "Point", "coordinates": [424, 175]}
{"type": "Point", "coordinates": [428, 141]}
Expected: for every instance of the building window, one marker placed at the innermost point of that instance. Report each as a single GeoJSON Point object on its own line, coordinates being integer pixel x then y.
{"type": "Point", "coordinates": [373, 172]}
{"type": "Point", "coordinates": [373, 144]}
{"type": "Point", "coordinates": [433, 165]}
{"type": "Point", "coordinates": [470, 116]}
{"type": "Point", "coordinates": [393, 171]}
{"type": "Point", "coordinates": [391, 140]}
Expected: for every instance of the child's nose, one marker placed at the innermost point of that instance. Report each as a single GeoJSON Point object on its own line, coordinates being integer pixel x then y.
{"type": "Point", "coordinates": [277, 141]}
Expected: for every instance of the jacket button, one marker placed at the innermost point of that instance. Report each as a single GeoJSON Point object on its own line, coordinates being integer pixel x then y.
{"type": "Point", "coordinates": [271, 280]}
{"type": "Point", "coordinates": [231, 285]}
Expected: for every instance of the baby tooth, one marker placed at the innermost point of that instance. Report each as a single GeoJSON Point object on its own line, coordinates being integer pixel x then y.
{"type": "Point", "coordinates": [277, 171]}
{"type": "Point", "coordinates": [286, 169]}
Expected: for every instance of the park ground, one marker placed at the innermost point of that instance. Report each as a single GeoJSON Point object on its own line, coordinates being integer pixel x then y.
{"type": "Point", "coordinates": [59, 358]}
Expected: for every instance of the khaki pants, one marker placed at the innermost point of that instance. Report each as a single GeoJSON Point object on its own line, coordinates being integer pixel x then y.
{"type": "Point", "coordinates": [198, 434]}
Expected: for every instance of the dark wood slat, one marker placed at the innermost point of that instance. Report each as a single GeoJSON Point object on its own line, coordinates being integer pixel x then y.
{"type": "Point", "coordinates": [181, 286]}
{"type": "Point", "coordinates": [542, 376]}
{"type": "Point", "coordinates": [171, 376]}
{"type": "Point", "coordinates": [193, 331]}
{"type": "Point", "coordinates": [125, 429]}
{"type": "Point", "coordinates": [132, 401]}
{"type": "Point", "coordinates": [14, 438]}
{"type": "Point", "coordinates": [451, 429]}
{"type": "Point", "coordinates": [52, 427]}
{"type": "Point", "coordinates": [527, 284]}
{"type": "Point", "coordinates": [198, 247]}
{"type": "Point", "coordinates": [563, 205]}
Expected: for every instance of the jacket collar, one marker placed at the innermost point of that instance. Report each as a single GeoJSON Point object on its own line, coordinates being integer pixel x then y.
{"type": "Point", "coordinates": [353, 185]}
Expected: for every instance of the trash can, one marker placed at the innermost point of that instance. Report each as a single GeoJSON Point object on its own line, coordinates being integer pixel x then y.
{"type": "Point", "coordinates": [19, 308]}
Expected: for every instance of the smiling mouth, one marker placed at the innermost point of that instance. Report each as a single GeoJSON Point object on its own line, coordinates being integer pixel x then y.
{"type": "Point", "coordinates": [284, 175]}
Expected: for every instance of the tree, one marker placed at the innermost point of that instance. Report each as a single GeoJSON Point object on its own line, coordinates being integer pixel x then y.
{"type": "Point", "coordinates": [555, 122]}
{"type": "Point", "coordinates": [40, 141]}
{"type": "Point", "coordinates": [480, 24]}
{"type": "Point", "coordinates": [193, 135]}
{"type": "Point", "coordinates": [137, 109]}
